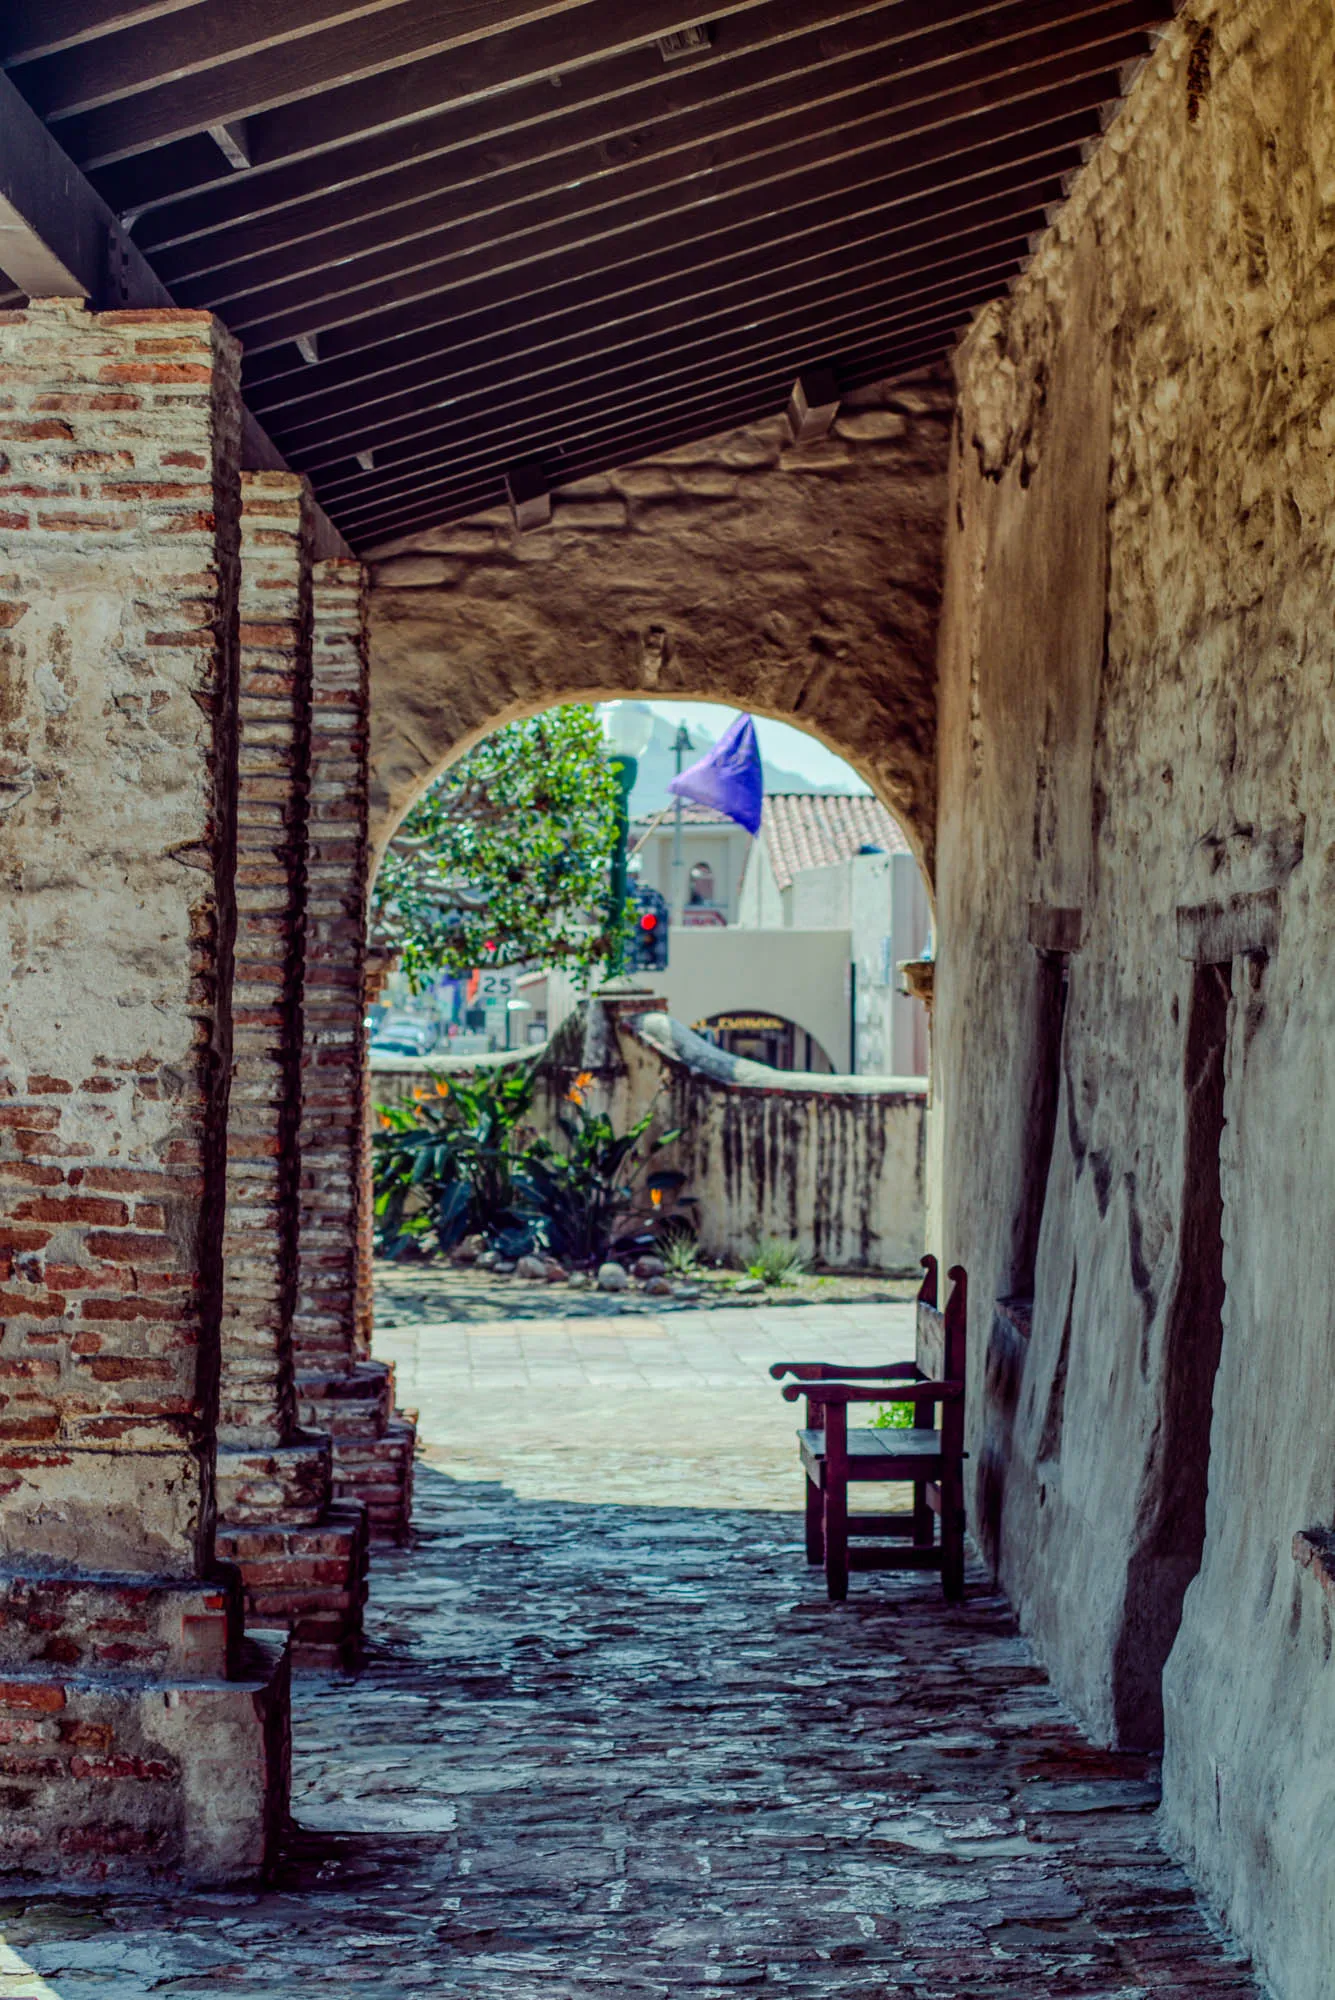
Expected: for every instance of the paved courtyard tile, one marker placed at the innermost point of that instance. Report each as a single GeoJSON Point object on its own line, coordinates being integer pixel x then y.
{"type": "Point", "coordinates": [610, 1743]}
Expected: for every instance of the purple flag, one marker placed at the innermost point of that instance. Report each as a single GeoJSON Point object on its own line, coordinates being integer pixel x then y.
{"type": "Point", "coordinates": [728, 777]}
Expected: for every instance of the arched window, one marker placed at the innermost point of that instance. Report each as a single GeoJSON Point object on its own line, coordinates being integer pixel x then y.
{"type": "Point", "coordinates": [702, 883]}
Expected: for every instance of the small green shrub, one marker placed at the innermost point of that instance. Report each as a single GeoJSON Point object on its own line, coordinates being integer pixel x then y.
{"type": "Point", "coordinates": [680, 1251]}
{"type": "Point", "coordinates": [777, 1261]}
{"type": "Point", "coordinates": [893, 1417]}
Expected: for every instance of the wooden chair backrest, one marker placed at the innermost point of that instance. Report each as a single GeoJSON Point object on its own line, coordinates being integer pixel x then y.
{"type": "Point", "coordinates": [940, 1346]}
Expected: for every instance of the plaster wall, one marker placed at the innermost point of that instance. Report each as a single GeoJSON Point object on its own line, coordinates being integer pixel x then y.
{"type": "Point", "coordinates": [800, 975]}
{"type": "Point", "coordinates": [834, 1164]}
{"type": "Point", "coordinates": [798, 582]}
{"type": "Point", "coordinates": [1137, 705]}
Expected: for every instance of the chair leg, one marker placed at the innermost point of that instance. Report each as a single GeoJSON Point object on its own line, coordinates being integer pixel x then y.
{"type": "Point", "coordinates": [815, 1523]}
{"type": "Point", "coordinates": [952, 1542]}
{"type": "Point", "coordinates": [836, 1540]}
{"type": "Point", "coordinates": [924, 1532]}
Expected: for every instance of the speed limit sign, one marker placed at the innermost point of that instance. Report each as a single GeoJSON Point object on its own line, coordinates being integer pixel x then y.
{"type": "Point", "coordinates": [494, 988]}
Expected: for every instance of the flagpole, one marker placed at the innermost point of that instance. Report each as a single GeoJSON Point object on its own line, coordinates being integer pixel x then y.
{"type": "Point", "coordinates": [681, 748]}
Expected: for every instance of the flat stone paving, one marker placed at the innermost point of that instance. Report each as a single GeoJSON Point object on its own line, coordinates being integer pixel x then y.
{"type": "Point", "coordinates": [611, 1743]}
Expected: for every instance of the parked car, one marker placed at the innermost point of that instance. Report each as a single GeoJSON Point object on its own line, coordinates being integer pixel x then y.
{"type": "Point", "coordinates": [404, 1035]}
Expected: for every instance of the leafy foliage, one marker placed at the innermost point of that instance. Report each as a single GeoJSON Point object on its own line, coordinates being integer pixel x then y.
{"type": "Point", "coordinates": [586, 1196]}
{"type": "Point", "coordinates": [445, 1166]}
{"type": "Point", "coordinates": [777, 1262]}
{"type": "Point", "coordinates": [505, 860]}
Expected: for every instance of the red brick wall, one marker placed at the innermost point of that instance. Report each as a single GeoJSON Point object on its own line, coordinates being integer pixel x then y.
{"type": "Point", "coordinates": [260, 1246]}
{"type": "Point", "coordinates": [119, 504]}
{"type": "Point", "coordinates": [332, 1135]}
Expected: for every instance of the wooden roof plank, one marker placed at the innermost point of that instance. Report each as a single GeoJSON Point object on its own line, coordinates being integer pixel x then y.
{"type": "Point", "coordinates": [509, 221]}
{"type": "Point", "coordinates": [33, 28]}
{"type": "Point", "coordinates": [473, 420]}
{"type": "Point", "coordinates": [398, 409]}
{"type": "Point", "coordinates": [704, 236]}
{"type": "Point", "coordinates": [406, 363]}
{"type": "Point", "coordinates": [556, 138]}
{"type": "Point", "coordinates": [364, 71]}
{"type": "Point", "coordinates": [441, 114]}
{"type": "Point", "coordinates": [138, 55]}
{"type": "Point", "coordinates": [376, 530]}
{"type": "Point", "coordinates": [886, 312]}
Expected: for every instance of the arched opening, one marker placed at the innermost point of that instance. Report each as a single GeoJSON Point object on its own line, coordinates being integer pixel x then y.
{"type": "Point", "coordinates": [789, 974]}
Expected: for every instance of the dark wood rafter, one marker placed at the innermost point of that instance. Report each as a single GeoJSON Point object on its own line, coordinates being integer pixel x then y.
{"type": "Point", "coordinates": [460, 239]}
{"type": "Point", "coordinates": [476, 162]}
{"type": "Point", "coordinates": [501, 401]}
{"type": "Point", "coordinates": [734, 350]}
{"type": "Point", "coordinates": [592, 438]}
{"type": "Point", "coordinates": [450, 345]}
{"type": "Point", "coordinates": [632, 204]}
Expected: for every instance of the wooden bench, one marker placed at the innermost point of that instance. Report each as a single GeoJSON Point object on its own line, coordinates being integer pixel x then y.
{"type": "Point", "coordinates": [929, 1459]}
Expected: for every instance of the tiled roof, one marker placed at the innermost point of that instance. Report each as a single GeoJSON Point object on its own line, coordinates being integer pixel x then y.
{"type": "Point", "coordinates": [691, 816]}
{"type": "Point", "coordinates": [809, 829]}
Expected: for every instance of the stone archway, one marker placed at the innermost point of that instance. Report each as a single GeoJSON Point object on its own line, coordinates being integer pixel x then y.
{"type": "Point", "coordinates": [799, 582]}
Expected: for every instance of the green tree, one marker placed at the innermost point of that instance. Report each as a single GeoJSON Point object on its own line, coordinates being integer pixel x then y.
{"type": "Point", "coordinates": [505, 859]}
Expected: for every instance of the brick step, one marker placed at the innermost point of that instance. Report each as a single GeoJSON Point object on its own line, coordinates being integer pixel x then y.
{"type": "Point", "coordinates": [143, 1778]}
{"type": "Point", "coordinates": [378, 1471]}
{"type": "Point", "coordinates": [354, 1402]}
{"type": "Point", "coordinates": [284, 1484]}
{"type": "Point", "coordinates": [119, 1625]}
{"type": "Point", "coordinates": [308, 1582]}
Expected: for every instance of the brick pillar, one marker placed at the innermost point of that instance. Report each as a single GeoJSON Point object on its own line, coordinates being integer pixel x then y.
{"type": "Point", "coordinates": [140, 1734]}
{"type": "Point", "coordinates": [339, 1389]}
{"type": "Point", "coordinates": [302, 1556]}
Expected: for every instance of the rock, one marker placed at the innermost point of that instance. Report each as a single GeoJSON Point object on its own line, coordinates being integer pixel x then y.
{"type": "Point", "coordinates": [531, 1267]}
{"type": "Point", "coordinates": [687, 1291]}
{"type": "Point", "coordinates": [613, 1278]}
{"type": "Point", "coordinates": [578, 1281]}
{"type": "Point", "coordinates": [749, 1285]}
{"type": "Point", "coordinates": [871, 425]}
{"type": "Point", "coordinates": [486, 1260]}
{"type": "Point", "coordinates": [555, 1272]}
{"type": "Point", "coordinates": [472, 1247]}
{"type": "Point", "coordinates": [658, 1288]}
{"type": "Point", "coordinates": [649, 1267]}
{"type": "Point", "coordinates": [504, 1267]}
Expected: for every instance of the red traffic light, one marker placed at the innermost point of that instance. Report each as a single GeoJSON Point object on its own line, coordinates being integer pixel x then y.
{"type": "Point", "coordinates": [648, 922]}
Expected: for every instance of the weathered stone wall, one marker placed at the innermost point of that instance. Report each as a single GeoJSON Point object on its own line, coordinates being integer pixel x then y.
{"type": "Point", "coordinates": [139, 1736]}
{"type": "Point", "coordinates": [1137, 664]}
{"type": "Point", "coordinates": [834, 1164]}
{"type": "Point", "coordinates": [795, 581]}
{"type": "Point", "coordinates": [118, 450]}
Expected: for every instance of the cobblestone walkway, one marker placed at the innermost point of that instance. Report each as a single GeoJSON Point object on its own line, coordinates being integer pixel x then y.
{"type": "Point", "coordinates": [613, 1751]}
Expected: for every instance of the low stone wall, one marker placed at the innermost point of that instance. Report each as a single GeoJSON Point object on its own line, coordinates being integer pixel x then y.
{"type": "Point", "coordinates": [834, 1164]}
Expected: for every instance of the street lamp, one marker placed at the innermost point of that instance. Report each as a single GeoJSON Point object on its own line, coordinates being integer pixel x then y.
{"type": "Point", "coordinates": [628, 726]}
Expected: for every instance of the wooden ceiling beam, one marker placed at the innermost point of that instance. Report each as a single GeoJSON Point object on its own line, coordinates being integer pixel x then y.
{"type": "Point", "coordinates": [630, 447]}
{"type": "Point", "coordinates": [139, 55]}
{"type": "Point", "coordinates": [320, 200]}
{"type": "Point", "coordinates": [474, 420]}
{"type": "Point", "coordinates": [362, 69]}
{"type": "Point", "coordinates": [513, 224]}
{"type": "Point", "coordinates": [33, 28]}
{"type": "Point", "coordinates": [390, 414]}
{"type": "Point", "coordinates": [444, 476]}
{"type": "Point", "coordinates": [889, 314]}
{"type": "Point", "coordinates": [448, 116]}
{"type": "Point", "coordinates": [427, 359]}
{"type": "Point", "coordinates": [713, 241]}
